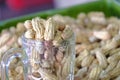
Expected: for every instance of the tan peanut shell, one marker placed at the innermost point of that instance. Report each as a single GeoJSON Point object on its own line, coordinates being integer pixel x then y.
{"type": "Point", "coordinates": [81, 72]}
{"type": "Point", "coordinates": [115, 57]}
{"type": "Point", "coordinates": [48, 76]}
{"type": "Point", "coordinates": [95, 73]}
{"type": "Point", "coordinates": [50, 28]}
{"type": "Point", "coordinates": [58, 68]}
{"type": "Point", "coordinates": [66, 67]}
{"type": "Point", "coordinates": [104, 35]}
{"type": "Point", "coordinates": [12, 30]}
{"type": "Point", "coordinates": [86, 62]}
{"type": "Point", "coordinates": [30, 34]}
{"type": "Point", "coordinates": [81, 57]}
{"type": "Point", "coordinates": [111, 66]}
{"type": "Point", "coordinates": [80, 47]}
{"type": "Point", "coordinates": [38, 27]}
{"type": "Point", "coordinates": [112, 52]}
{"type": "Point", "coordinates": [20, 28]}
{"type": "Point", "coordinates": [101, 59]}
{"type": "Point", "coordinates": [58, 39]}
{"type": "Point", "coordinates": [97, 18]}
{"type": "Point", "coordinates": [28, 24]}
{"type": "Point", "coordinates": [67, 32]}
{"type": "Point", "coordinates": [4, 38]}
{"type": "Point", "coordinates": [19, 69]}
{"type": "Point", "coordinates": [59, 56]}
{"type": "Point", "coordinates": [116, 71]}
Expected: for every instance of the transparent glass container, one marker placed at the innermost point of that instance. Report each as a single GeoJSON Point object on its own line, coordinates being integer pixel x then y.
{"type": "Point", "coordinates": [48, 61]}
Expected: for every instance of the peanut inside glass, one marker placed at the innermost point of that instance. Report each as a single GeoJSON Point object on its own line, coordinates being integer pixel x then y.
{"type": "Point", "coordinates": [47, 61]}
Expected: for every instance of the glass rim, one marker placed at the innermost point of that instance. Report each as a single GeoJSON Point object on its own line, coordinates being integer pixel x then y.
{"type": "Point", "coordinates": [31, 42]}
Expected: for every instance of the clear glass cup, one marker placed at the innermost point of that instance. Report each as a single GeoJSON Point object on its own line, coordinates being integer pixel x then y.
{"type": "Point", "coordinates": [48, 61]}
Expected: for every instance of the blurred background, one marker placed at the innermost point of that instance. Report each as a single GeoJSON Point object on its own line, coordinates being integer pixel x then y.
{"type": "Point", "coordinates": [15, 8]}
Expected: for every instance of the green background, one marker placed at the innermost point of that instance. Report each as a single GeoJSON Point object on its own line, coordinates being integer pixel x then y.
{"type": "Point", "coordinates": [109, 7]}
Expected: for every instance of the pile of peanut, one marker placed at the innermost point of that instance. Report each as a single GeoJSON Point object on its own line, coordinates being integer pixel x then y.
{"type": "Point", "coordinates": [97, 46]}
